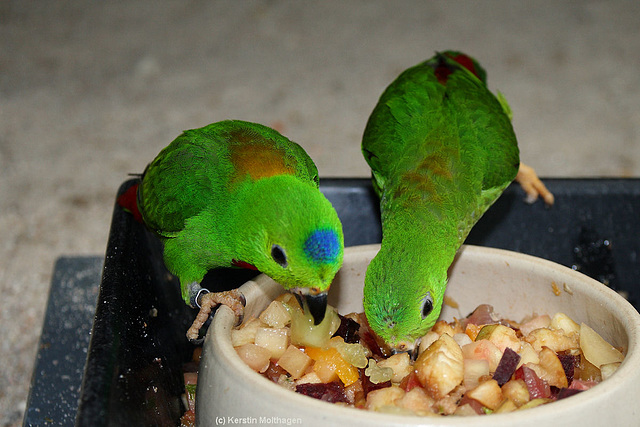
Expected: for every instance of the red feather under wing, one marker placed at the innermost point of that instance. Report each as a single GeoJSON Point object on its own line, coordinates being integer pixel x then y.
{"type": "Point", "coordinates": [129, 202]}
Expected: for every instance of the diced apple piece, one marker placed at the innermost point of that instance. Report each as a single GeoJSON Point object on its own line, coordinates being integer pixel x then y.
{"type": "Point", "coordinates": [516, 391]}
{"type": "Point", "coordinates": [256, 357]}
{"type": "Point", "coordinates": [552, 370]}
{"type": "Point", "coordinates": [274, 340]}
{"type": "Point", "coordinates": [276, 315]}
{"type": "Point", "coordinates": [483, 349]}
{"type": "Point", "coordinates": [555, 339]}
{"type": "Point", "coordinates": [474, 369]}
{"type": "Point", "coordinates": [355, 394]}
{"type": "Point", "coordinates": [462, 339]}
{"type": "Point", "coordinates": [246, 333]}
{"type": "Point", "coordinates": [428, 339]}
{"type": "Point", "coordinates": [596, 350]}
{"type": "Point", "coordinates": [449, 403]}
{"type": "Point", "coordinates": [535, 402]}
{"type": "Point", "coordinates": [528, 355]}
{"type": "Point", "coordinates": [325, 371]}
{"type": "Point", "coordinates": [535, 323]}
{"type": "Point", "coordinates": [309, 378]}
{"type": "Point", "coordinates": [400, 364]}
{"type": "Point", "coordinates": [564, 322]}
{"type": "Point", "coordinates": [417, 401]}
{"type": "Point", "coordinates": [608, 369]}
{"type": "Point", "coordinates": [294, 361]}
{"type": "Point", "coordinates": [384, 397]}
{"type": "Point", "coordinates": [290, 302]}
{"type": "Point", "coordinates": [502, 336]}
{"type": "Point", "coordinates": [488, 393]}
{"type": "Point", "coordinates": [442, 327]}
{"type": "Point", "coordinates": [440, 368]}
{"type": "Point", "coordinates": [506, 406]}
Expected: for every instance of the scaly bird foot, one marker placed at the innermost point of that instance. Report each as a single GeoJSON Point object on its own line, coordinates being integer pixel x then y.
{"type": "Point", "coordinates": [208, 301]}
{"type": "Point", "coordinates": [532, 186]}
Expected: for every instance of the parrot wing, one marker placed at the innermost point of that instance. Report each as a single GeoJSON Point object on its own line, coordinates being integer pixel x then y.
{"type": "Point", "coordinates": [439, 131]}
{"type": "Point", "coordinates": [202, 167]}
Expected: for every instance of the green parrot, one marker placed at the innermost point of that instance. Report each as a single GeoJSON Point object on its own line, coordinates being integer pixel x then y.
{"type": "Point", "coordinates": [441, 149]}
{"type": "Point", "coordinates": [235, 193]}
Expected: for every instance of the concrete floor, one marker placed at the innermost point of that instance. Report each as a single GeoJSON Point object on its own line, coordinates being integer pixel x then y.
{"type": "Point", "coordinates": [90, 91]}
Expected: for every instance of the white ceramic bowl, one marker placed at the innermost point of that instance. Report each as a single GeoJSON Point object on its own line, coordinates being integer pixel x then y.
{"type": "Point", "coordinates": [516, 285]}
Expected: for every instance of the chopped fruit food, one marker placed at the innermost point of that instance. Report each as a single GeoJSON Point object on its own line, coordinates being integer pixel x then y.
{"type": "Point", "coordinates": [479, 365]}
{"type": "Point", "coordinates": [506, 367]}
{"type": "Point", "coordinates": [441, 367]}
{"type": "Point", "coordinates": [596, 350]}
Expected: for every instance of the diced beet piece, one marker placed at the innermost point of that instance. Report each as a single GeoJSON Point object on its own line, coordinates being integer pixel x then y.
{"type": "Point", "coordinates": [274, 372]}
{"type": "Point", "coordinates": [507, 366]}
{"type": "Point", "coordinates": [569, 363]}
{"type": "Point", "coordinates": [348, 330]}
{"type": "Point", "coordinates": [566, 392]}
{"type": "Point", "coordinates": [536, 386]}
{"type": "Point", "coordinates": [330, 392]}
{"type": "Point", "coordinates": [368, 386]}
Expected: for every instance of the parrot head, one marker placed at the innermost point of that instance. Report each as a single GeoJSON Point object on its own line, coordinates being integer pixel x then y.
{"type": "Point", "coordinates": [400, 303]}
{"type": "Point", "coordinates": [292, 233]}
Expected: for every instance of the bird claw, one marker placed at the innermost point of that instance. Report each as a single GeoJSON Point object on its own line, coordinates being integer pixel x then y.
{"type": "Point", "coordinates": [207, 301]}
{"type": "Point", "coordinates": [533, 186]}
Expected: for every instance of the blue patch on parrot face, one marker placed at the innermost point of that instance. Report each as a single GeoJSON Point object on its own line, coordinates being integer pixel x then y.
{"type": "Point", "coordinates": [322, 246]}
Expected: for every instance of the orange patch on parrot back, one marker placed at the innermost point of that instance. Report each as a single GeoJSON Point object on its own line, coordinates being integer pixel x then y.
{"type": "Point", "coordinates": [421, 180]}
{"type": "Point", "coordinates": [254, 157]}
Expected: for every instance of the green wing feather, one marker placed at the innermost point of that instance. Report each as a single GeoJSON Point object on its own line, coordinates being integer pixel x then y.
{"type": "Point", "coordinates": [434, 140]}
{"type": "Point", "coordinates": [173, 190]}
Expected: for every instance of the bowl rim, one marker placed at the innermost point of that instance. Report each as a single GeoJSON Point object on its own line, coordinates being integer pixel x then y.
{"type": "Point", "coordinates": [223, 322]}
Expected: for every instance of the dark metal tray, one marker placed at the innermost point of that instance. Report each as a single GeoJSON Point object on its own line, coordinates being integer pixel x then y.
{"type": "Point", "coordinates": [133, 373]}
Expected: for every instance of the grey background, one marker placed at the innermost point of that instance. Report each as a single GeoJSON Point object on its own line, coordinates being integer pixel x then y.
{"type": "Point", "coordinates": [91, 91]}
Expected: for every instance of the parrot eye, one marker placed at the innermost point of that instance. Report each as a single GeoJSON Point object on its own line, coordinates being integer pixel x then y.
{"type": "Point", "coordinates": [427, 305]}
{"type": "Point", "coordinates": [278, 255]}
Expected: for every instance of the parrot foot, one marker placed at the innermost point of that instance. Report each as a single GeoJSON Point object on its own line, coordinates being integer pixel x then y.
{"type": "Point", "coordinates": [533, 186]}
{"type": "Point", "coordinates": [207, 301]}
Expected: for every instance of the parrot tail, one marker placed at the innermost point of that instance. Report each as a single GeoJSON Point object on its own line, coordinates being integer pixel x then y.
{"type": "Point", "coordinates": [129, 202]}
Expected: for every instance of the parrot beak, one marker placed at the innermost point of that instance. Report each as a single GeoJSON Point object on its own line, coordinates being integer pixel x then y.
{"type": "Point", "coordinates": [314, 304]}
{"type": "Point", "coordinates": [406, 347]}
